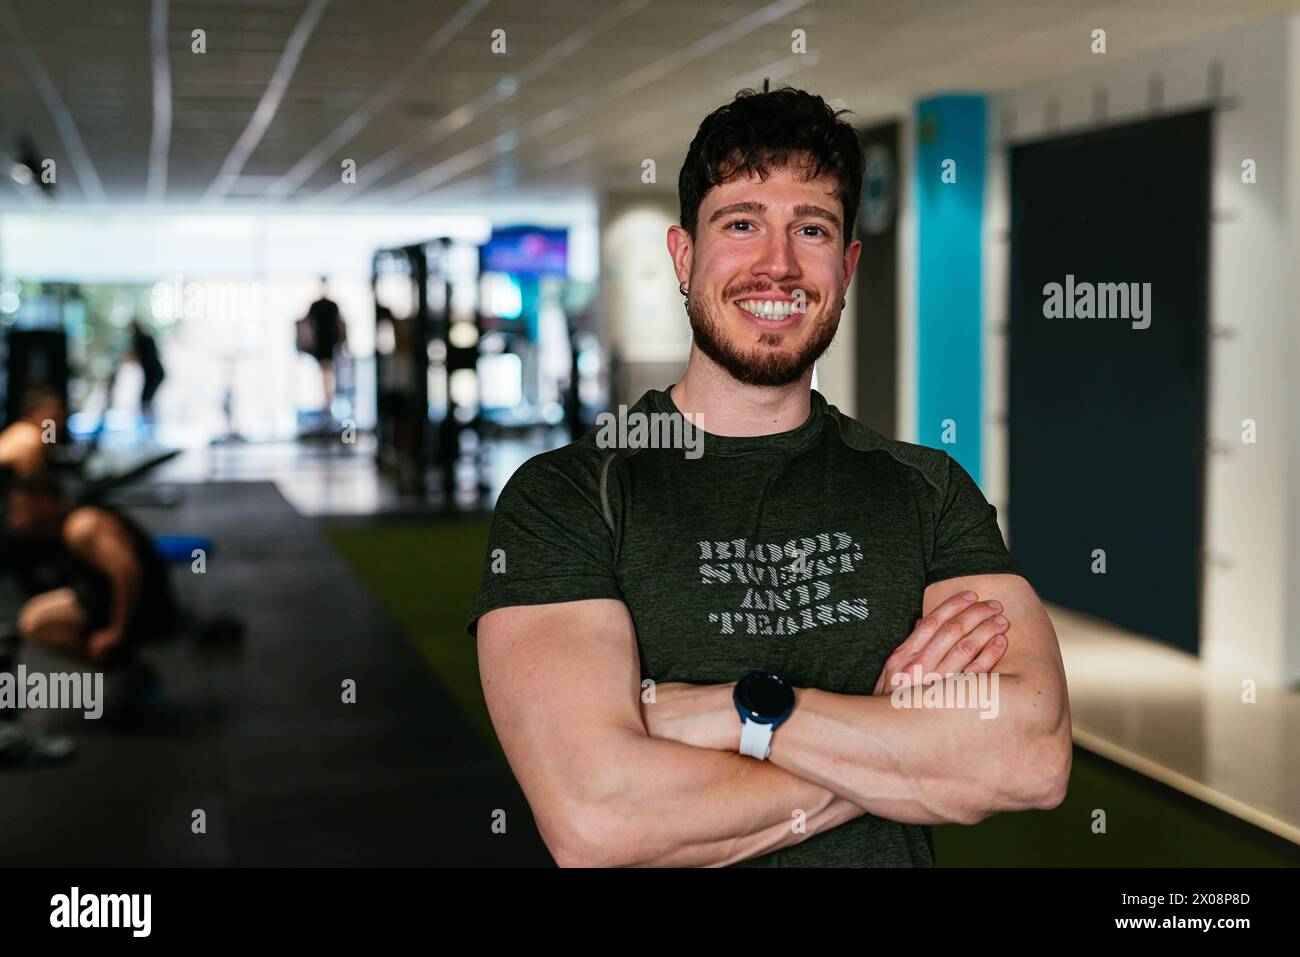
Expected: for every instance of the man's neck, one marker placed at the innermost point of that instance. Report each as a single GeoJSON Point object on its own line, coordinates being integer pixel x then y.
{"type": "Point", "coordinates": [734, 408]}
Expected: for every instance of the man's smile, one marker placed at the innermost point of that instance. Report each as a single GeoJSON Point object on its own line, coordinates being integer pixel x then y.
{"type": "Point", "coordinates": [772, 312]}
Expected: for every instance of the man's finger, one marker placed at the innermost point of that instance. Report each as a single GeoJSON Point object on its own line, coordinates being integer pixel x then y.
{"type": "Point", "coordinates": [965, 650]}
{"type": "Point", "coordinates": [927, 625]}
{"type": "Point", "coordinates": [955, 629]}
{"type": "Point", "coordinates": [990, 656]}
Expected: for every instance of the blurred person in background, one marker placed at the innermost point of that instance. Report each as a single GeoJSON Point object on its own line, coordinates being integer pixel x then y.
{"type": "Point", "coordinates": [327, 332]}
{"type": "Point", "coordinates": [95, 586]}
{"type": "Point", "coordinates": [144, 352]}
{"type": "Point", "coordinates": [27, 445]}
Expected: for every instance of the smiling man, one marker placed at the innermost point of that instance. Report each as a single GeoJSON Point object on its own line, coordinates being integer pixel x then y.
{"type": "Point", "coordinates": [692, 660]}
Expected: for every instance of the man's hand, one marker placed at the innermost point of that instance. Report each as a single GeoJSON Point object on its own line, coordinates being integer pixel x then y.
{"type": "Point", "coordinates": [961, 635]}
{"type": "Point", "coordinates": [102, 640]}
{"type": "Point", "coordinates": [703, 716]}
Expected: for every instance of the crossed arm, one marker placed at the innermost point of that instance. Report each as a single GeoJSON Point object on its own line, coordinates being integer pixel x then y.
{"type": "Point", "coordinates": [562, 684]}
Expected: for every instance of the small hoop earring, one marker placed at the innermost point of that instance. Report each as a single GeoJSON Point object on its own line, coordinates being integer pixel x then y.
{"type": "Point", "coordinates": [681, 287]}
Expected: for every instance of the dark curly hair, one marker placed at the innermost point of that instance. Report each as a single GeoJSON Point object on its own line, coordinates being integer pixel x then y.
{"type": "Point", "coordinates": [759, 129]}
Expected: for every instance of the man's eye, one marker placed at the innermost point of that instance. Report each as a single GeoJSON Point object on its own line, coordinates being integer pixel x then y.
{"type": "Point", "coordinates": [745, 222]}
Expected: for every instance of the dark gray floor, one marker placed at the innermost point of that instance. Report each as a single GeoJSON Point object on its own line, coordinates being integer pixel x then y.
{"type": "Point", "coordinates": [259, 739]}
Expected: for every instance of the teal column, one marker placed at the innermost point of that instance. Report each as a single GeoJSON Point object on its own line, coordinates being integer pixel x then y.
{"type": "Point", "coordinates": [949, 194]}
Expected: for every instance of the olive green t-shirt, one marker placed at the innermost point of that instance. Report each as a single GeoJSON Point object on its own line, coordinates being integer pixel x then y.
{"type": "Point", "coordinates": [806, 552]}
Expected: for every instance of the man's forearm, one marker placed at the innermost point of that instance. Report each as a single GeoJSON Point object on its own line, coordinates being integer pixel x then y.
{"type": "Point", "coordinates": [930, 765]}
{"type": "Point", "coordinates": [671, 804]}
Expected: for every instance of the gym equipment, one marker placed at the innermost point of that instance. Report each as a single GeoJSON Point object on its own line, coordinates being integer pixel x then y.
{"type": "Point", "coordinates": [33, 357]}
{"type": "Point", "coordinates": [181, 548]}
{"type": "Point", "coordinates": [476, 344]}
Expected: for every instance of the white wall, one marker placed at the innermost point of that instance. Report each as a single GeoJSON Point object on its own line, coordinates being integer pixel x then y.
{"type": "Point", "coordinates": [640, 305]}
{"type": "Point", "coordinates": [129, 246]}
{"type": "Point", "coordinates": [1250, 612]}
{"type": "Point", "coordinates": [1289, 420]}
{"type": "Point", "coordinates": [837, 368]}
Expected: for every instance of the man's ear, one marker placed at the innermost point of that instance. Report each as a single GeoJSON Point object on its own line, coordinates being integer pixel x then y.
{"type": "Point", "coordinates": [682, 250]}
{"type": "Point", "coordinates": [852, 253]}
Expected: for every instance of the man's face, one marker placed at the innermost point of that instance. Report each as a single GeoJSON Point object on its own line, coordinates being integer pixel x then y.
{"type": "Point", "coordinates": [777, 246]}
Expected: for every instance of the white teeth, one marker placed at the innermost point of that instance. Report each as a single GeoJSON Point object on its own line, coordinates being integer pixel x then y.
{"type": "Point", "coordinates": [769, 308]}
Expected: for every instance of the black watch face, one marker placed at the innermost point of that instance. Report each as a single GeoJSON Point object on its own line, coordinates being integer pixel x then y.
{"type": "Point", "coordinates": [766, 695]}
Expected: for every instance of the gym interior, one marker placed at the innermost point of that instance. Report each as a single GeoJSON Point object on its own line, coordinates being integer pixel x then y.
{"type": "Point", "coordinates": [296, 286]}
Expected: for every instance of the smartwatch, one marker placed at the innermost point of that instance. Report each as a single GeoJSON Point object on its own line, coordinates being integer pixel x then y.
{"type": "Point", "coordinates": [764, 700]}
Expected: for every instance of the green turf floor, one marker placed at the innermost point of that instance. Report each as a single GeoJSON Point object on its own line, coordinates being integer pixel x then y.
{"type": "Point", "coordinates": [427, 576]}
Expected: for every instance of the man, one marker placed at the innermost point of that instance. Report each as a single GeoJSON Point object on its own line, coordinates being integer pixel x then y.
{"type": "Point", "coordinates": [96, 585]}
{"type": "Point", "coordinates": [144, 350]}
{"type": "Point", "coordinates": [27, 445]}
{"type": "Point", "coordinates": [328, 332]}
{"type": "Point", "coordinates": [628, 593]}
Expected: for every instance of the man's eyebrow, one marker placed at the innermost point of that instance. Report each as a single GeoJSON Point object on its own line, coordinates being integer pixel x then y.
{"type": "Point", "coordinates": [803, 209]}
{"type": "Point", "coordinates": [746, 207]}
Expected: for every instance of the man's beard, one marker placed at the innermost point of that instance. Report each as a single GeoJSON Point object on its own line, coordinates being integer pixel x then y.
{"type": "Point", "coordinates": [758, 365]}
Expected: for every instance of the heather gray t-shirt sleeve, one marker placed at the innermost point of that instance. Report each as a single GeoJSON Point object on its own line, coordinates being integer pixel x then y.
{"type": "Point", "coordinates": [967, 540]}
{"type": "Point", "coordinates": [549, 541]}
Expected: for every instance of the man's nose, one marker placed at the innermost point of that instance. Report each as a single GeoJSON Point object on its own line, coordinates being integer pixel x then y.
{"type": "Point", "coordinates": [776, 258]}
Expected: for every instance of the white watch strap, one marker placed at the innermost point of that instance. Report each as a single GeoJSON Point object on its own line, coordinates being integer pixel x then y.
{"type": "Point", "coordinates": [756, 739]}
